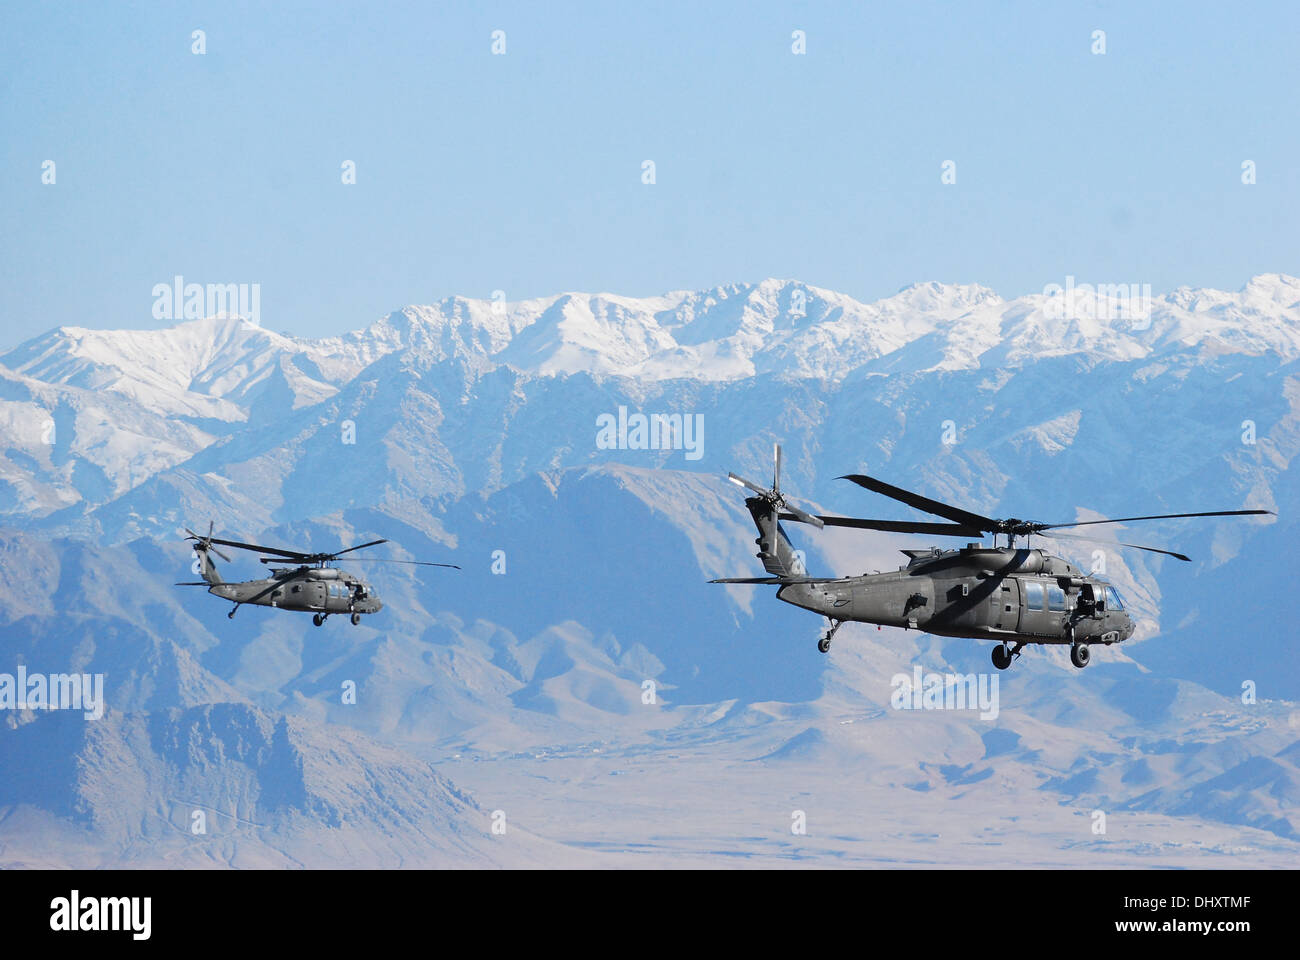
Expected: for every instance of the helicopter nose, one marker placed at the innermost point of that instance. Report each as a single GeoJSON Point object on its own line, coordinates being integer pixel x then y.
{"type": "Point", "coordinates": [1129, 627]}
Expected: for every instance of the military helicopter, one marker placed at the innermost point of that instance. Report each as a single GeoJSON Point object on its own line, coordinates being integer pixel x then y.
{"type": "Point", "coordinates": [1012, 595]}
{"type": "Point", "coordinates": [308, 586]}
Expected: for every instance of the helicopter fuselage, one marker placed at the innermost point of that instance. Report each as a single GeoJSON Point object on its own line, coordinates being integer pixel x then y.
{"type": "Point", "coordinates": [312, 585]}
{"type": "Point", "coordinates": [1011, 596]}
{"type": "Point", "coordinates": [994, 593]}
{"type": "Point", "coordinates": [322, 590]}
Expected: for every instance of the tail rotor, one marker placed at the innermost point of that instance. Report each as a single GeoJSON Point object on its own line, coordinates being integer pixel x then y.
{"type": "Point", "coordinates": [202, 546]}
{"type": "Point", "coordinates": [773, 497]}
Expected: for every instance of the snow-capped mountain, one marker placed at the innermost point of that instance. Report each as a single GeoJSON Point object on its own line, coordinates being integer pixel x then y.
{"type": "Point", "coordinates": [728, 333]}
{"type": "Point", "coordinates": [88, 416]}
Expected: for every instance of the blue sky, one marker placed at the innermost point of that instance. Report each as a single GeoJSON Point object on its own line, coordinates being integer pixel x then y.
{"type": "Point", "coordinates": [522, 172]}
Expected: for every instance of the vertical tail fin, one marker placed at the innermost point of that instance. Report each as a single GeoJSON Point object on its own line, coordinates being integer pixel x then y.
{"type": "Point", "coordinates": [207, 569]}
{"type": "Point", "coordinates": [779, 556]}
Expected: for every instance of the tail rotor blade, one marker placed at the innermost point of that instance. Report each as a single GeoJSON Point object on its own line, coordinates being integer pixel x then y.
{"type": "Point", "coordinates": [205, 543]}
{"type": "Point", "coordinates": [741, 481]}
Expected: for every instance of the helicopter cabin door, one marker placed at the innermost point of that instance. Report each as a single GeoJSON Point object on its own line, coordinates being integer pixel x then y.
{"type": "Point", "coordinates": [1005, 601]}
{"type": "Point", "coordinates": [1044, 609]}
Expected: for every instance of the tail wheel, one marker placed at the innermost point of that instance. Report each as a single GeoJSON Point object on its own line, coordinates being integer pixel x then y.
{"type": "Point", "coordinates": [1080, 655]}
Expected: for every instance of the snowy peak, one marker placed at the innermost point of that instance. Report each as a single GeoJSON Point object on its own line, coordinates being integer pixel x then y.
{"type": "Point", "coordinates": [940, 299]}
{"type": "Point", "coordinates": [211, 368]}
{"type": "Point", "coordinates": [726, 333]}
{"type": "Point", "coordinates": [217, 367]}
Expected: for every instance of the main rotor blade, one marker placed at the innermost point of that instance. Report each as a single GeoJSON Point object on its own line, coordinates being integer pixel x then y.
{"type": "Point", "coordinates": [745, 483]}
{"type": "Point", "coordinates": [779, 580]}
{"type": "Point", "coordinates": [418, 563]}
{"type": "Point", "coordinates": [776, 467]}
{"type": "Point", "coordinates": [1134, 546]}
{"type": "Point", "coordinates": [900, 526]}
{"type": "Point", "coordinates": [291, 554]}
{"type": "Point", "coordinates": [1158, 516]}
{"type": "Point", "coordinates": [359, 546]}
{"type": "Point", "coordinates": [947, 511]}
{"type": "Point", "coordinates": [191, 583]}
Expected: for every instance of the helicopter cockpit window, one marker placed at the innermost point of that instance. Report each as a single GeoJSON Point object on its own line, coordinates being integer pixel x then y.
{"type": "Point", "coordinates": [1055, 597]}
{"type": "Point", "coordinates": [1113, 600]}
{"type": "Point", "coordinates": [1033, 595]}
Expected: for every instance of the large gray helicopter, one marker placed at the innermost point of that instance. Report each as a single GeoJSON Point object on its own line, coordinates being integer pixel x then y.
{"type": "Point", "coordinates": [310, 585]}
{"type": "Point", "coordinates": [1012, 595]}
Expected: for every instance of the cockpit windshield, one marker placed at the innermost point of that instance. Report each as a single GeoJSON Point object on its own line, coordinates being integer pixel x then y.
{"type": "Point", "coordinates": [1113, 600]}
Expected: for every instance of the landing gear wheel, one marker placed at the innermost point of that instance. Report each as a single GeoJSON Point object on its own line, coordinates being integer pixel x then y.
{"type": "Point", "coordinates": [317, 619]}
{"type": "Point", "coordinates": [1080, 655]}
{"type": "Point", "coordinates": [356, 618]}
{"type": "Point", "coordinates": [824, 645]}
{"type": "Point", "coordinates": [231, 615]}
{"type": "Point", "coordinates": [1001, 656]}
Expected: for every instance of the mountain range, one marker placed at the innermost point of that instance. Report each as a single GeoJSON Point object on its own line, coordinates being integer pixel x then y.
{"type": "Point", "coordinates": [466, 432]}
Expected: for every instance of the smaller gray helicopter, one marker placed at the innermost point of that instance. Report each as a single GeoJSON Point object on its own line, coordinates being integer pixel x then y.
{"type": "Point", "coordinates": [310, 586]}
